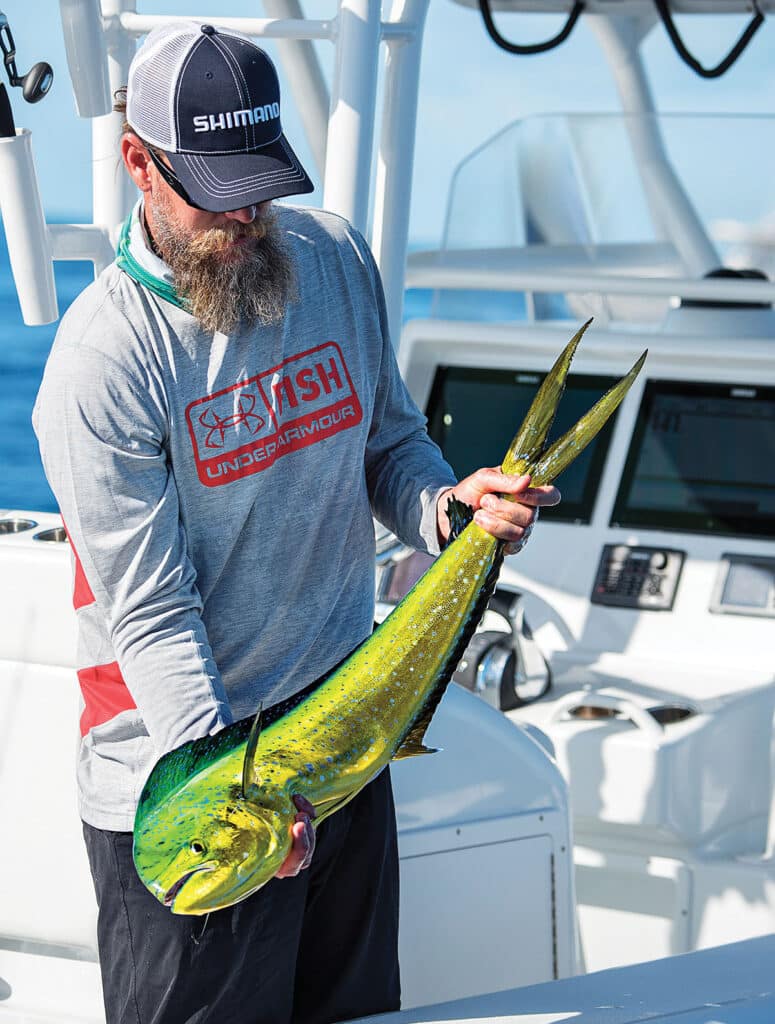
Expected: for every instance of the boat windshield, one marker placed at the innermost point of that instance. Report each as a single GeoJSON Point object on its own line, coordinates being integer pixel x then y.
{"type": "Point", "coordinates": [566, 197]}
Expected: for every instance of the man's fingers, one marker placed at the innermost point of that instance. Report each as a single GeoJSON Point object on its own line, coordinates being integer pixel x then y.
{"type": "Point", "coordinates": [301, 849]}
{"type": "Point", "coordinates": [508, 521]}
{"type": "Point", "coordinates": [545, 494]}
{"type": "Point", "coordinates": [302, 841]}
{"type": "Point", "coordinates": [514, 511]}
{"type": "Point", "coordinates": [506, 518]}
{"type": "Point", "coordinates": [515, 547]}
{"type": "Point", "coordinates": [503, 529]}
{"type": "Point", "coordinates": [307, 839]}
{"type": "Point", "coordinates": [490, 480]}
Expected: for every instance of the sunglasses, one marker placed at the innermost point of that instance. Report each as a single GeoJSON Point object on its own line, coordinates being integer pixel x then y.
{"type": "Point", "coordinates": [171, 178]}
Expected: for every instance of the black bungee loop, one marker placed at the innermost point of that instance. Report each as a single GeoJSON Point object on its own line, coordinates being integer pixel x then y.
{"type": "Point", "coordinates": [524, 50]}
{"type": "Point", "coordinates": [756, 21]}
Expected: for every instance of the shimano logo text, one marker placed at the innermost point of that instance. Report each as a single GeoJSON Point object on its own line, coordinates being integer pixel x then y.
{"type": "Point", "coordinates": [236, 118]}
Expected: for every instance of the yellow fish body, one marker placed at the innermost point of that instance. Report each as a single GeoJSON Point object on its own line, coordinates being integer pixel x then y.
{"type": "Point", "coordinates": [214, 819]}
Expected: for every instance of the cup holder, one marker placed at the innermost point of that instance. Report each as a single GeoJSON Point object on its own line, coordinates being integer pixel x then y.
{"type": "Point", "coordinates": [56, 535]}
{"type": "Point", "coordinates": [593, 712]}
{"type": "Point", "coordinates": [16, 525]}
{"type": "Point", "coordinates": [669, 714]}
{"type": "Point", "coordinates": [603, 707]}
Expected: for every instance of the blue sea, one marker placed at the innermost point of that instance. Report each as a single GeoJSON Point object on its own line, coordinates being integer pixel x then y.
{"type": "Point", "coordinates": [23, 352]}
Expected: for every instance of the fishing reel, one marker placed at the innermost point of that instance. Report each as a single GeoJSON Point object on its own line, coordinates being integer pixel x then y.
{"type": "Point", "coordinates": [38, 80]}
{"type": "Point", "coordinates": [502, 663]}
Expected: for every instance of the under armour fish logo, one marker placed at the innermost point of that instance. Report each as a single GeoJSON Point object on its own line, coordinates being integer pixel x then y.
{"type": "Point", "coordinates": [217, 426]}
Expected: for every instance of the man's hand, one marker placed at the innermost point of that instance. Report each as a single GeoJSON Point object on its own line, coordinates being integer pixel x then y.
{"type": "Point", "coordinates": [303, 836]}
{"type": "Point", "coordinates": [507, 520]}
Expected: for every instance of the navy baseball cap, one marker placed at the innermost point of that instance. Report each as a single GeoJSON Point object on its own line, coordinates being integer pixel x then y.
{"type": "Point", "coordinates": [210, 99]}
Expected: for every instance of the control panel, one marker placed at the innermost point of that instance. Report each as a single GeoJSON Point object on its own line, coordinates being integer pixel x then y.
{"type": "Point", "coordinates": [745, 585]}
{"type": "Point", "coordinates": [637, 577]}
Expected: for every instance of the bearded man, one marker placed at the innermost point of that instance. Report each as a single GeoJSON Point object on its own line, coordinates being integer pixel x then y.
{"type": "Point", "coordinates": [220, 416]}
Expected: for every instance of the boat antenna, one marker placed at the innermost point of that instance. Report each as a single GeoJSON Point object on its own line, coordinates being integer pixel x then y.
{"type": "Point", "coordinates": [37, 82]}
{"type": "Point", "coordinates": [526, 49]}
{"type": "Point", "coordinates": [664, 12]}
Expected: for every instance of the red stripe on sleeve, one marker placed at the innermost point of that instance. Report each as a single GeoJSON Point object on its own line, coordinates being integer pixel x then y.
{"type": "Point", "coordinates": [105, 693]}
{"type": "Point", "coordinates": [82, 592]}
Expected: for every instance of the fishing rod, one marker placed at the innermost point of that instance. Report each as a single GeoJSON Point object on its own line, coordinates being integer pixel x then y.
{"type": "Point", "coordinates": [34, 85]}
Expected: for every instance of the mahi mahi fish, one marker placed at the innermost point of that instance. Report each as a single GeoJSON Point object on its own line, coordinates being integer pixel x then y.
{"type": "Point", "coordinates": [214, 819]}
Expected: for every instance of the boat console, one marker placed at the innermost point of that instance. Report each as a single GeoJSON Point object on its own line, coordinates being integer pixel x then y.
{"type": "Point", "coordinates": [648, 592]}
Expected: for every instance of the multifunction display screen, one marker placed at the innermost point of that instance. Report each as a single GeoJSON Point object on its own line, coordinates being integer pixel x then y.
{"type": "Point", "coordinates": [702, 459]}
{"type": "Point", "coordinates": [473, 415]}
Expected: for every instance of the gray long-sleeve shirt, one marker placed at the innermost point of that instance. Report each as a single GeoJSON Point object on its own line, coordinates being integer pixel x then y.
{"type": "Point", "coordinates": [218, 493]}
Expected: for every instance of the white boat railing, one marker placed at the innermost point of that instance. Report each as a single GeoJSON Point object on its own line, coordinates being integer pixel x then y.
{"type": "Point", "coordinates": [437, 271]}
{"type": "Point", "coordinates": [100, 40]}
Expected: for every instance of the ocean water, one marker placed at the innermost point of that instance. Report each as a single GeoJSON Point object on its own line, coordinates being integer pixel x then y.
{"type": "Point", "coordinates": [23, 352]}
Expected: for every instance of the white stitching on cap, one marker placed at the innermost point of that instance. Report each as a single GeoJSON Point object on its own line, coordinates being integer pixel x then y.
{"type": "Point", "coordinates": [247, 89]}
{"type": "Point", "coordinates": [216, 188]}
{"type": "Point", "coordinates": [224, 51]}
{"type": "Point", "coordinates": [209, 181]}
{"type": "Point", "coordinates": [176, 119]}
{"type": "Point", "coordinates": [236, 35]}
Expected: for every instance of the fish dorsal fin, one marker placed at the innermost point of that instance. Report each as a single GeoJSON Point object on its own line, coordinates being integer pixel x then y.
{"type": "Point", "coordinates": [249, 780]}
{"type": "Point", "coordinates": [459, 515]}
{"type": "Point", "coordinates": [412, 745]}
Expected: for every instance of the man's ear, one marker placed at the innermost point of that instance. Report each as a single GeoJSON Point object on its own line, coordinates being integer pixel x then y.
{"type": "Point", "coordinates": [136, 160]}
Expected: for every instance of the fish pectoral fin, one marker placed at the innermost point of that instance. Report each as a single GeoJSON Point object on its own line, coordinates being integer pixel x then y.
{"type": "Point", "coordinates": [327, 806]}
{"type": "Point", "coordinates": [459, 515]}
{"type": "Point", "coordinates": [251, 793]}
{"type": "Point", "coordinates": [249, 779]}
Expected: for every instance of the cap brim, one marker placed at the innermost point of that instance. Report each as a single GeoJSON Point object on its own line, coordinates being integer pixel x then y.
{"type": "Point", "coordinates": [219, 183]}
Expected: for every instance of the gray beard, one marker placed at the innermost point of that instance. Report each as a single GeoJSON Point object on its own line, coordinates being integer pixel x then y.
{"type": "Point", "coordinates": [225, 295]}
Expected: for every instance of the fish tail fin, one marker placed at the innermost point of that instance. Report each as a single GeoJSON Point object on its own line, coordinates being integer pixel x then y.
{"type": "Point", "coordinates": [530, 439]}
{"type": "Point", "coordinates": [556, 458]}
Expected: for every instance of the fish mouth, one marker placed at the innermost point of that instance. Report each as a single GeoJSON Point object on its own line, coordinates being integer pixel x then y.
{"type": "Point", "coordinates": [174, 890]}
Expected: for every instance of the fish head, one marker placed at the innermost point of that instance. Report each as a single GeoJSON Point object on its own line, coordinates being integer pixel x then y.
{"type": "Point", "coordinates": [198, 858]}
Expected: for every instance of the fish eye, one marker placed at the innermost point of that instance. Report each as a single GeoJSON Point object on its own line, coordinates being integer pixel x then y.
{"type": "Point", "coordinates": [197, 847]}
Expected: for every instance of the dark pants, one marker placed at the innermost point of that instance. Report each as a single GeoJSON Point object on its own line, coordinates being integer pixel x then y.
{"type": "Point", "coordinates": [314, 949]}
